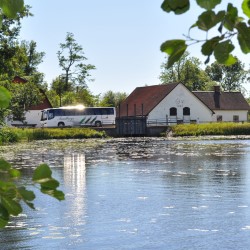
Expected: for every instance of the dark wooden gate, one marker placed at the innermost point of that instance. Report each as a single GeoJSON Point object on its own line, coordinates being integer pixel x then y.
{"type": "Point", "coordinates": [131, 126]}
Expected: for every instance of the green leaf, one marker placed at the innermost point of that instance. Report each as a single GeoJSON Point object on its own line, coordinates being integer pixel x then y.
{"type": "Point", "coordinates": [177, 6]}
{"type": "Point", "coordinates": [59, 195]}
{"type": "Point", "coordinates": [175, 49]}
{"type": "Point", "coordinates": [209, 19]}
{"type": "Point", "coordinates": [11, 206]}
{"type": "Point", "coordinates": [1, 20]}
{"type": "Point", "coordinates": [14, 173]}
{"type": "Point", "coordinates": [51, 184]}
{"type": "Point", "coordinates": [207, 48]}
{"type": "Point", "coordinates": [4, 97]}
{"type": "Point", "coordinates": [243, 37]}
{"type": "Point", "coordinates": [222, 52]}
{"type": "Point", "coordinates": [231, 17]}
{"type": "Point", "coordinates": [231, 60]}
{"type": "Point", "coordinates": [42, 173]}
{"type": "Point", "coordinates": [6, 186]}
{"type": "Point", "coordinates": [27, 196]}
{"type": "Point", "coordinates": [10, 8]}
{"type": "Point", "coordinates": [4, 216]}
{"type": "Point", "coordinates": [208, 4]}
{"type": "Point", "coordinates": [4, 165]}
{"type": "Point", "coordinates": [246, 7]}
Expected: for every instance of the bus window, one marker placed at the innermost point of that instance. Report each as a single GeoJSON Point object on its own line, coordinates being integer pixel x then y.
{"type": "Point", "coordinates": [107, 111]}
{"type": "Point", "coordinates": [50, 114]}
{"type": "Point", "coordinates": [110, 111]}
{"type": "Point", "coordinates": [58, 112]}
{"type": "Point", "coordinates": [98, 111]}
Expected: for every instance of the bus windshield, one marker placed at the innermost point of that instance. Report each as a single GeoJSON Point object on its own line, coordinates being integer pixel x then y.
{"type": "Point", "coordinates": [44, 115]}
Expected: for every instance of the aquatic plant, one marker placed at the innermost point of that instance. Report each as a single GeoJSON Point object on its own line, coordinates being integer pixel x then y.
{"type": "Point", "coordinates": [224, 128]}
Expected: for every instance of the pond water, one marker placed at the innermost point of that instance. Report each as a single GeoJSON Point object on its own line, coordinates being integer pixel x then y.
{"type": "Point", "coordinates": [136, 194]}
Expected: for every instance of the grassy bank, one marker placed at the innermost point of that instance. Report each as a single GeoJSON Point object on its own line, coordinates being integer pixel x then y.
{"type": "Point", "coordinates": [9, 135]}
{"type": "Point", "coordinates": [211, 129]}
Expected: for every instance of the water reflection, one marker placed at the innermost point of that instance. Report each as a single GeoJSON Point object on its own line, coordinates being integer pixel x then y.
{"type": "Point", "coordinates": [75, 179]}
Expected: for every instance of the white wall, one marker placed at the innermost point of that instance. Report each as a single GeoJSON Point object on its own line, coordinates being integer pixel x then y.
{"type": "Point", "coordinates": [227, 116]}
{"type": "Point", "coordinates": [179, 98]}
{"type": "Point", "coordinates": [33, 117]}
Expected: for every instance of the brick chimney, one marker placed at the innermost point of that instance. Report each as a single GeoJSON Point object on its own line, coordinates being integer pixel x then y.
{"type": "Point", "coordinates": [217, 96]}
{"type": "Point", "coordinates": [217, 88]}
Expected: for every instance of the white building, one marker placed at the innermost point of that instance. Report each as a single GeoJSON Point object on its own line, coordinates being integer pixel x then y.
{"type": "Point", "coordinates": [174, 103]}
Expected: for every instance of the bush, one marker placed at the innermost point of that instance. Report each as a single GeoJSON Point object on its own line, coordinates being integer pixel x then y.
{"type": "Point", "coordinates": [8, 135]}
{"type": "Point", "coordinates": [211, 129]}
{"type": "Point", "coordinates": [65, 133]}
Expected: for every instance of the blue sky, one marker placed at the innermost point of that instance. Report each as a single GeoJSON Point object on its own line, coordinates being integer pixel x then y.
{"type": "Point", "coordinates": [121, 38]}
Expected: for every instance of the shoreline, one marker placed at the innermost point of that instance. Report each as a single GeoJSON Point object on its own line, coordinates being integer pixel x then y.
{"type": "Point", "coordinates": [209, 137]}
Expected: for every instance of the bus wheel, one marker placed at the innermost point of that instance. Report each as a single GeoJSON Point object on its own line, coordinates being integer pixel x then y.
{"type": "Point", "coordinates": [61, 124]}
{"type": "Point", "coordinates": [98, 124]}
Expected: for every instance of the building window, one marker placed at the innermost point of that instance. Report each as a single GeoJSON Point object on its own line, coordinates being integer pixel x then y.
{"type": "Point", "coordinates": [186, 111]}
{"type": "Point", "coordinates": [236, 118]}
{"type": "Point", "coordinates": [173, 111]}
{"type": "Point", "coordinates": [219, 118]}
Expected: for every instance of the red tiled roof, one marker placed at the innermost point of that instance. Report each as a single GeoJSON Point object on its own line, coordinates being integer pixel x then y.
{"type": "Point", "coordinates": [222, 100]}
{"type": "Point", "coordinates": [144, 99]}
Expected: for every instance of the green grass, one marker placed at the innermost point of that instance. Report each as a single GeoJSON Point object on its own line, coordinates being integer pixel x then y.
{"type": "Point", "coordinates": [211, 129]}
{"type": "Point", "coordinates": [10, 135]}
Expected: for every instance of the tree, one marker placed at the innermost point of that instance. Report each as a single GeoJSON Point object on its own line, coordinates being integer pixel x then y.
{"type": "Point", "coordinates": [228, 23]}
{"type": "Point", "coordinates": [230, 77]}
{"type": "Point", "coordinates": [61, 95]}
{"type": "Point", "coordinates": [187, 71]}
{"type": "Point", "coordinates": [11, 194]}
{"type": "Point", "coordinates": [112, 99]}
{"type": "Point", "coordinates": [18, 58]}
{"type": "Point", "coordinates": [23, 96]}
{"type": "Point", "coordinates": [31, 59]}
{"type": "Point", "coordinates": [71, 60]}
{"type": "Point", "coordinates": [11, 54]}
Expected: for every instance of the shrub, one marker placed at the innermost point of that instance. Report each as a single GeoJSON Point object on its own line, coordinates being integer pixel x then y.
{"type": "Point", "coordinates": [8, 135]}
{"type": "Point", "coordinates": [224, 128]}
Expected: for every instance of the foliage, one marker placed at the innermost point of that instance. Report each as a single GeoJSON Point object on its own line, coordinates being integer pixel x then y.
{"type": "Point", "coordinates": [23, 95]}
{"type": "Point", "coordinates": [18, 58]}
{"type": "Point", "coordinates": [228, 23]}
{"type": "Point", "coordinates": [80, 96]}
{"type": "Point", "coordinates": [112, 99]}
{"type": "Point", "coordinates": [71, 60]}
{"type": "Point", "coordinates": [65, 133]}
{"type": "Point", "coordinates": [12, 135]}
{"type": "Point", "coordinates": [7, 135]}
{"type": "Point", "coordinates": [211, 129]}
{"type": "Point", "coordinates": [4, 97]}
{"type": "Point", "coordinates": [12, 54]}
{"type": "Point", "coordinates": [230, 77]}
{"type": "Point", "coordinates": [11, 194]}
{"type": "Point", "coordinates": [187, 71]}
{"type": "Point", "coordinates": [29, 62]}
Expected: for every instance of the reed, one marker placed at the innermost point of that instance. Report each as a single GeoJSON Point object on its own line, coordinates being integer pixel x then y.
{"type": "Point", "coordinates": [9, 135]}
{"type": "Point", "coordinates": [223, 128]}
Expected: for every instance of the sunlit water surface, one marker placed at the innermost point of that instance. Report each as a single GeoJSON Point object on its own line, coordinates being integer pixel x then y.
{"type": "Point", "coordinates": [136, 194]}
